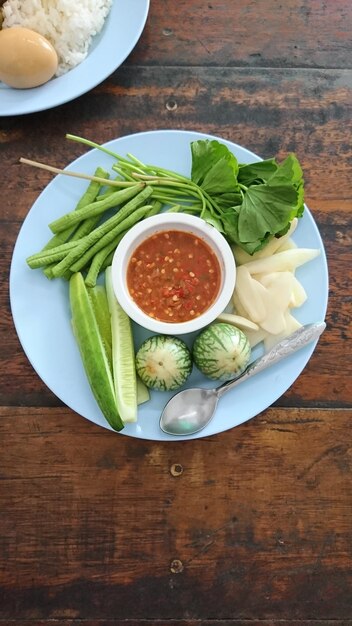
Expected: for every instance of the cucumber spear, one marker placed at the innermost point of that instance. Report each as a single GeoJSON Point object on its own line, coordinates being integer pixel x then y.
{"type": "Point", "coordinates": [93, 353]}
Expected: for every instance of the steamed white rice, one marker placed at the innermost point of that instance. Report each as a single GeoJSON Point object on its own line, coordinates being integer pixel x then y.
{"type": "Point", "coordinates": [69, 25]}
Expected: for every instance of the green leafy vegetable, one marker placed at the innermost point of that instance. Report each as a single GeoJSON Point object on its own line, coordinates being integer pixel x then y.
{"type": "Point", "coordinates": [251, 203]}
{"type": "Point", "coordinates": [215, 170]}
{"type": "Point", "coordinates": [265, 209]}
{"type": "Point", "coordinates": [214, 167]}
{"type": "Point", "coordinates": [256, 172]}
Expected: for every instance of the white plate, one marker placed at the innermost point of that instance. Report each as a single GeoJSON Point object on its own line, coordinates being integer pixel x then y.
{"type": "Point", "coordinates": [41, 313]}
{"type": "Point", "coordinates": [121, 31]}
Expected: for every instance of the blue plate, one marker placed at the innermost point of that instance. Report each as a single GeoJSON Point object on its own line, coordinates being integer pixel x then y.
{"type": "Point", "coordinates": [121, 31]}
{"type": "Point", "coordinates": [41, 311]}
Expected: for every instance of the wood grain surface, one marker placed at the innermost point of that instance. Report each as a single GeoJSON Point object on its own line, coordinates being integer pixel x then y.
{"type": "Point", "coordinates": [255, 529]}
{"type": "Point", "coordinates": [294, 33]}
{"type": "Point", "coordinates": [96, 525]}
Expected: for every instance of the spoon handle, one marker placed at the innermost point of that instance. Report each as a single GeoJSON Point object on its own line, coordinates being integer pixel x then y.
{"type": "Point", "coordinates": [284, 348]}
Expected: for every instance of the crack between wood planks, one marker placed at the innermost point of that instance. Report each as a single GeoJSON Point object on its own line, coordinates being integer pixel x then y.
{"type": "Point", "coordinates": [163, 621]}
{"type": "Point", "coordinates": [285, 430]}
{"type": "Point", "coordinates": [279, 68]}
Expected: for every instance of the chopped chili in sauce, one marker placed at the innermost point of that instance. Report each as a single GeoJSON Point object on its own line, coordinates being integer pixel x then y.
{"type": "Point", "coordinates": [173, 276]}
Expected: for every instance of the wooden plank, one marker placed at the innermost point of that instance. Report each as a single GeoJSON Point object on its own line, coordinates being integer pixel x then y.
{"type": "Point", "coordinates": [96, 527]}
{"type": "Point", "coordinates": [274, 112]}
{"type": "Point", "coordinates": [193, 622]}
{"type": "Point", "coordinates": [247, 33]}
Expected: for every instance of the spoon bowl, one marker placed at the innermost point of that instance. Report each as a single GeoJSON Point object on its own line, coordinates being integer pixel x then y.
{"type": "Point", "coordinates": [190, 411]}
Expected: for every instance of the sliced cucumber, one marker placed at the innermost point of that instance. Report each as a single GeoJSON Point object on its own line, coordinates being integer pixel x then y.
{"type": "Point", "coordinates": [221, 351]}
{"type": "Point", "coordinates": [91, 346]}
{"type": "Point", "coordinates": [123, 358]}
{"type": "Point", "coordinates": [100, 305]}
{"type": "Point", "coordinates": [143, 394]}
{"type": "Point", "coordinates": [163, 363]}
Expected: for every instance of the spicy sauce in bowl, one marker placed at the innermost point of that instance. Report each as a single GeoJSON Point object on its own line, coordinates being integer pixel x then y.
{"type": "Point", "coordinates": [173, 273]}
{"type": "Point", "coordinates": [173, 276]}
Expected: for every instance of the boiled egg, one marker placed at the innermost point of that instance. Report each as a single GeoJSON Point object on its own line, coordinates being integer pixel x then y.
{"type": "Point", "coordinates": [27, 59]}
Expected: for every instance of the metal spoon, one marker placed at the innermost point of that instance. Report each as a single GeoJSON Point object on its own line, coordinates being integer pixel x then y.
{"type": "Point", "coordinates": [189, 411]}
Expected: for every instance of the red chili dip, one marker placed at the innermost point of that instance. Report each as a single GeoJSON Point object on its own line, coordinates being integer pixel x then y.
{"type": "Point", "coordinates": [173, 276]}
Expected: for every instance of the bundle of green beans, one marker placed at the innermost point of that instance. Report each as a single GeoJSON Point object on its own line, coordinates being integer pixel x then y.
{"type": "Point", "coordinates": [85, 239]}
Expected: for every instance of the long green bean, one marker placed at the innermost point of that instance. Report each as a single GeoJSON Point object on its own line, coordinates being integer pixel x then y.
{"type": "Point", "coordinates": [87, 225]}
{"type": "Point", "coordinates": [87, 198]}
{"type": "Point", "coordinates": [45, 257]}
{"type": "Point", "coordinates": [156, 206]}
{"type": "Point", "coordinates": [93, 189]}
{"type": "Point", "coordinates": [155, 209]}
{"type": "Point", "coordinates": [99, 258]}
{"type": "Point", "coordinates": [95, 208]}
{"type": "Point", "coordinates": [74, 233]}
{"type": "Point", "coordinates": [99, 232]}
{"type": "Point", "coordinates": [129, 221]}
{"type": "Point", "coordinates": [108, 260]}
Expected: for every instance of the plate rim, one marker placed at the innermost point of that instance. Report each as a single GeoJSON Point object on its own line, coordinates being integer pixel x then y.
{"type": "Point", "coordinates": [308, 349]}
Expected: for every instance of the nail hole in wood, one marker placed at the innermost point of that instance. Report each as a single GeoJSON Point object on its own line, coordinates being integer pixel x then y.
{"type": "Point", "coordinates": [176, 469]}
{"type": "Point", "coordinates": [171, 105]}
{"type": "Point", "coordinates": [176, 566]}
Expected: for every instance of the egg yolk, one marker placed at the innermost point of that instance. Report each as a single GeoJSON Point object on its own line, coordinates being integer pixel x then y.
{"type": "Point", "coordinates": [27, 59]}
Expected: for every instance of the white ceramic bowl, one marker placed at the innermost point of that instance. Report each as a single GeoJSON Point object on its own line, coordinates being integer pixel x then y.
{"type": "Point", "coordinates": [180, 222]}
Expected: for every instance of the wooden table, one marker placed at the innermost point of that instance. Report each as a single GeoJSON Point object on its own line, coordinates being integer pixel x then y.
{"type": "Point", "coordinates": [96, 530]}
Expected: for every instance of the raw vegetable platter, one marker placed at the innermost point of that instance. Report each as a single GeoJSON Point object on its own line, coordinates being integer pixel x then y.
{"type": "Point", "coordinates": [41, 311]}
{"type": "Point", "coordinates": [121, 31]}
